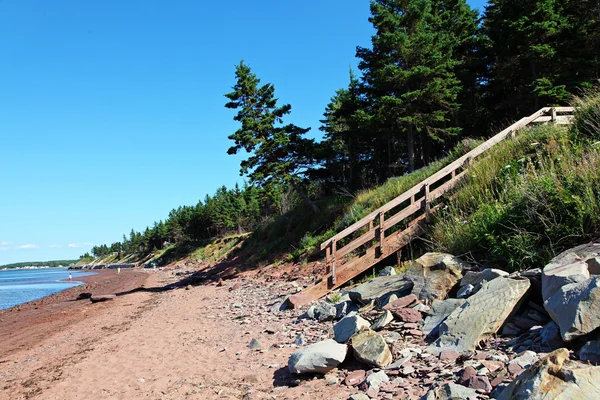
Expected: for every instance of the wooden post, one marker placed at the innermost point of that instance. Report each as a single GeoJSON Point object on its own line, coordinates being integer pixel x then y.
{"type": "Point", "coordinates": [381, 232]}
{"type": "Point", "coordinates": [333, 249]}
{"type": "Point", "coordinates": [328, 259]}
{"type": "Point", "coordinates": [453, 174]}
{"type": "Point", "coordinates": [553, 115]}
{"type": "Point", "coordinates": [427, 204]}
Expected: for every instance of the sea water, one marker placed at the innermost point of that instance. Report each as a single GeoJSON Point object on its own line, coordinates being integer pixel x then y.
{"type": "Point", "coordinates": [18, 286]}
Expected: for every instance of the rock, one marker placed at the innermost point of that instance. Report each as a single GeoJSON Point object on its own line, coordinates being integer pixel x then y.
{"type": "Point", "coordinates": [255, 344]}
{"type": "Point", "coordinates": [380, 289]}
{"type": "Point", "coordinates": [465, 291]}
{"type": "Point", "coordinates": [555, 377]}
{"type": "Point", "coordinates": [434, 275]}
{"type": "Point", "coordinates": [344, 308]}
{"type": "Point", "coordinates": [590, 352]}
{"type": "Point", "coordinates": [370, 347]}
{"type": "Point", "coordinates": [388, 271]}
{"type": "Point", "coordinates": [449, 355]}
{"type": "Point", "coordinates": [480, 383]}
{"type": "Point", "coordinates": [102, 297]}
{"type": "Point", "coordinates": [481, 315]}
{"type": "Point", "coordinates": [359, 396]}
{"type": "Point", "coordinates": [323, 311]}
{"type": "Point", "coordinates": [300, 340]}
{"type": "Point", "coordinates": [570, 266]}
{"type": "Point", "coordinates": [550, 336]}
{"type": "Point", "coordinates": [440, 309]}
{"type": "Point", "coordinates": [402, 302]}
{"type": "Point", "coordinates": [348, 326]}
{"type": "Point", "coordinates": [375, 380]}
{"type": "Point", "coordinates": [355, 377]}
{"type": "Point", "coordinates": [319, 357]}
{"type": "Point", "coordinates": [83, 296]}
{"type": "Point", "coordinates": [574, 307]}
{"type": "Point", "coordinates": [383, 320]}
{"type": "Point", "coordinates": [297, 300]}
{"type": "Point", "coordinates": [570, 290]}
{"type": "Point", "coordinates": [466, 374]}
{"type": "Point", "coordinates": [476, 278]}
{"type": "Point", "coordinates": [525, 359]}
{"type": "Point", "coordinates": [407, 315]}
{"type": "Point", "coordinates": [450, 391]}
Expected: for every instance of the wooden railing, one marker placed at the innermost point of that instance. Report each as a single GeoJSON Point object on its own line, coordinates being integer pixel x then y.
{"type": "Point", "coordinates": [418, 199]}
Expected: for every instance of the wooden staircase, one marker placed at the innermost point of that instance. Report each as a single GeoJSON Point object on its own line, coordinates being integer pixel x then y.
{"type": "Point", "coordinates": [405, 216]}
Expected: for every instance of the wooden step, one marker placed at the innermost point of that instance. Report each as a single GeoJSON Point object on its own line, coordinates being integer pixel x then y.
{"type": "Point", "coordinates": [358, 265]}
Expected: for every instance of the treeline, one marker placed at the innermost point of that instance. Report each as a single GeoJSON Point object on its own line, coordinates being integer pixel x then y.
{"type": "Point", "coordinates": [54, 263]}
{"type": "Point", "coordinates": [436, 72]}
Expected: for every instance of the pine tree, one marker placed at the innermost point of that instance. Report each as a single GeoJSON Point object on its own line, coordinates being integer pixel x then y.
{"type": "Point", "coordinates": [409, 73]}
{"type": "Point", "coordinates": [279, 154]}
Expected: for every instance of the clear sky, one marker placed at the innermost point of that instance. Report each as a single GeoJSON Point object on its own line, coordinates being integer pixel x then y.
{"type": "Point", "coordinates": [112, 112]}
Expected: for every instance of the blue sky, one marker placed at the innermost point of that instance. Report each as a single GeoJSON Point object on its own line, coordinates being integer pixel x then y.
{"type": "Point", "coordinates": [112, 112]}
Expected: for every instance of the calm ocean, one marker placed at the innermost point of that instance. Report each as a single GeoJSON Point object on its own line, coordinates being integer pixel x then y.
{"type": "Point", "coordinates": [21, 286]}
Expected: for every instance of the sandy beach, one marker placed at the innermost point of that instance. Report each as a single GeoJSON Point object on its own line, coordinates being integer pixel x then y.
{"type": "Point", "coordinates": [155, 342]}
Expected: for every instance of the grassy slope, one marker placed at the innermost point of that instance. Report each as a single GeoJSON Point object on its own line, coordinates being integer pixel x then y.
{"type": "Point", "coordinates": [530, 198]}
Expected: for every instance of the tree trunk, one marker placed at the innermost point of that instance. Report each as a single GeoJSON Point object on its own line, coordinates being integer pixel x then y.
{"type": "Point", "coordinates": [306, 199]}
{"type": "Point", "coordinates": [410, 143]}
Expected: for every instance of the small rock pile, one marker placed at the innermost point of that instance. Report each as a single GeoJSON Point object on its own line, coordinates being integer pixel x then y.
{"type": "Point", "coordinates": [446, 330]}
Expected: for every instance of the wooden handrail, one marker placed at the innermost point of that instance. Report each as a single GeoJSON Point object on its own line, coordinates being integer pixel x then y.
{"type": "Point", "coordinates": [546, 114]}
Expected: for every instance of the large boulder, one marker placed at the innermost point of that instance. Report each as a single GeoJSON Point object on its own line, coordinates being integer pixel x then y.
{"type": "Point", "coordinates": [380, 289]}
{"type": "Point", "coordinates": [371, 348]}
{"type": "Point", "coordinates": [571, 290]}
{"type": "Point", "coordinates": [575, 265]}
{"type": "Point", "coordinates": [434, 275]}
{"type": "Point", "coordinates": [481, 315]}
{"type": "Point", "coordinates": [348, 326]}
{"type": "Point", "coordinates": [590, 352]}
{"type": "Point", "coordinates": [576, 308]}
{"type": "Point", "coordinates": [475, 278]}
{"type": "Point", "coordinates": [439, 311]}
{"type": "Point", "coordinates": [319, 357]}
{"type": "Point", "coordinates": [555, 377]}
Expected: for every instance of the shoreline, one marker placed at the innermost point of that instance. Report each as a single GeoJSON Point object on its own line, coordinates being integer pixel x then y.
{"type": "Point", "coordinates": [26, 324]}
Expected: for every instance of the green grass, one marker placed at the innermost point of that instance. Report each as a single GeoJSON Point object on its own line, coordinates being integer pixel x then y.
{"type": "Point", "coordinates": [297, 235]}
{"type": "Point", "coordinates": [530, 198]}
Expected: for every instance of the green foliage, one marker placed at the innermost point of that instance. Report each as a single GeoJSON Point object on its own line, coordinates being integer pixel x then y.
{"type": "Point", "coordinates": [530, 199]}
{"type": "Point", "coordinates": [54, 263]}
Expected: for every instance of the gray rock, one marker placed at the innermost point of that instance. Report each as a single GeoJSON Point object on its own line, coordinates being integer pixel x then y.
{"type": "Point", "coordinates": [575, 265]}
{"type": "Point", "coordinates": [255, 344]}
{"type": "Point", "coordinates": [344, 308]}
{"type": "Point", "coordinates": [375, 380]}
{"type": "Point", "coordinates": [481, 315]}
{"type": "Point", "coordinates": [370, 348]}
{"type": "Point", "coordinates": [324, 311]}
{"type": "Point", "coordinates": [550, 336]}
{"type": "Point", "coordinates": [319, 357]}
{"type": "Point", "coordinates": [380, 288]}
{"type": "Point", "coordinates": [359, 396]}
{"type": "Point", "coordinates": [574, 307]}
{"type": "Point", "coordinates": [525, 359]}
{"type": "Point", "coordinates": [439, 311]}
{"type": "Point", "coordinates": [434, 275]}
{"type": "Point", "coordinates": [555, 377]}
{"type": "Point", "coordinates": [451, 391]}
{"type": "Point", "coordinates": [476, 278]}
{"type": "Point", "coordinates": [385, 318]}
{"type": "Point", "coordinates": [300, 340]}
{"type": "Point", "coordinates": [348, 326]}
{"type": "Point", "coordinates": [590, 352]}
{"type": "Point", "coordinates": [388, 271]}
{"type": "Point", "coordinates": [465, 291]}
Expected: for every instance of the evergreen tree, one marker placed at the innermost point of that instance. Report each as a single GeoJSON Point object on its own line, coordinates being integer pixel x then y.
{"type": "Point", "coordinates": [409, 73]}
{"type": "Point", "coordinates": [278, 153]}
